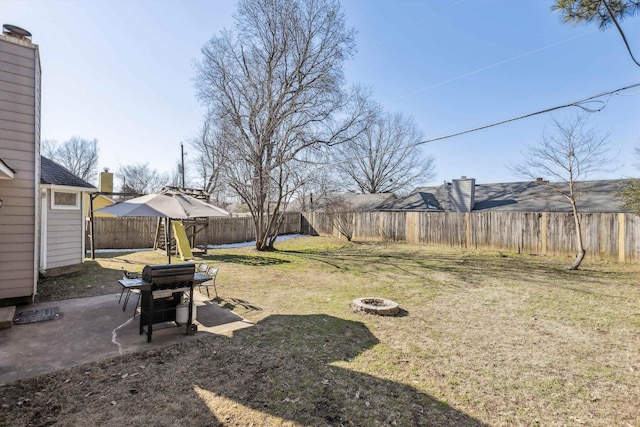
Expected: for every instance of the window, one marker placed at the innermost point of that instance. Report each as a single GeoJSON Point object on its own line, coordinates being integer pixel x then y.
{"type": "Point", "coordinates": [65, 200]}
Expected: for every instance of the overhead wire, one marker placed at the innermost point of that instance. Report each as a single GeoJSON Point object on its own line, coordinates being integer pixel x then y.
{"type": "Point", "coordinates": [489, 67]}
{"type": "Point", "coordinates": [422, 21]}
{"type": "Point", "coordinates": [582, 104]}
{"type": "Point", "coordinates": [579, 104]}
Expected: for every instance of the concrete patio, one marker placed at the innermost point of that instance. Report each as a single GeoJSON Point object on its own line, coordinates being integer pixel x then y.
{"type": "Point", "coordinates": [93, 329]}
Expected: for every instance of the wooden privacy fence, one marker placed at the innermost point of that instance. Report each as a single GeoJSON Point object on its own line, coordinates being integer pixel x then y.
{"type": "Point", "coordinates": [605, 235]}
{"type": "Point", "coordinates": [139, 232]}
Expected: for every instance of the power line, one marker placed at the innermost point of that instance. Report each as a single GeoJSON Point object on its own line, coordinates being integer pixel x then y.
{"type": "Point", "coordinates": [422, 21]}
{"type": "Point", "coordinates": [580, 104]}
{"type": "Point", "coordinates": [488, 67]}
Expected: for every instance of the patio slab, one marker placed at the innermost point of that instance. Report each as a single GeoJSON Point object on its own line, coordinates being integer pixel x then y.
{"type": "Point", "coordinates": [93, 329]}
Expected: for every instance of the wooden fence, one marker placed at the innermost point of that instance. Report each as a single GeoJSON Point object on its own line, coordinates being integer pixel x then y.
{"type": "Point", "coordinates": [606, 235]}
{"type": "Point", "coordinates": [139, 232]}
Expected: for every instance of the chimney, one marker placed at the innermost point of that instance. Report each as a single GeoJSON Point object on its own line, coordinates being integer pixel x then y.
{"type": "Point", "coordinates": [17, 32]}
{"type": "Point", "coordinates": [106, 181]}
{"type": "Point", "coordinates": [462, 194]}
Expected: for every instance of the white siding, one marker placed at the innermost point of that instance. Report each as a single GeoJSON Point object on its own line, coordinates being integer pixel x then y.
{"type": "Point", "coordinates": [19, 148]}
{"type": "Point", "coordinates": [64, 236]}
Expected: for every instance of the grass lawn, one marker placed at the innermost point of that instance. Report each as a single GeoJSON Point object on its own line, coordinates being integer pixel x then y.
{"type": "Point", "coordinates": [484, 338]}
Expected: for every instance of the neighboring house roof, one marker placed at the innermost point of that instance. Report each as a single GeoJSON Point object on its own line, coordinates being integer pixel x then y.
{"type": "Point", "coordinates": [353, 201]}
{"type": "Point", "coordinates": [362, 202]}
{"type": "Point", "coordinates": [421, 199]}
{"type": "Point", "coordinates": [531, 196]}
{"type": "Point", "coordinates": [54, 174]}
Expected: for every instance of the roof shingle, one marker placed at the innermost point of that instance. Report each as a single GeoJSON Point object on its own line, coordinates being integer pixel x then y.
{"type": "Point", "coordinates": [53, 173]}
{"type": "Point", "coordinates": [595, 196]}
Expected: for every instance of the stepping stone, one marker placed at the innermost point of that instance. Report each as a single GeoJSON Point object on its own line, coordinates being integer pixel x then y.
{"type": "Point", "coordinates": [6, 316]}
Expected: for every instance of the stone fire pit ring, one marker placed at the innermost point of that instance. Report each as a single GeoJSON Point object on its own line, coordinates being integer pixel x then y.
{"type": "Point", "coordinates": [375, 305]}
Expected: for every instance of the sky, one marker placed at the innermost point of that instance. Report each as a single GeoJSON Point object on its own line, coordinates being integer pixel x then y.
{"type": "Point", "coordinates": [122, 72]}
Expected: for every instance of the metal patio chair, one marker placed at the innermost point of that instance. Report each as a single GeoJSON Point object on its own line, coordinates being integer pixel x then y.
{"type": "Point", "coordinates": [212, 272]}
{"type": "Point", "coordinates": [129, 275]}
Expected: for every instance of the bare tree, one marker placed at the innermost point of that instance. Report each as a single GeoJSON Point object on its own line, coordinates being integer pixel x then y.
{"type": "Point", "coordinates": [48, 148]}
{"type": "Point", "coordinates": [275, 87]}
{"type": "Point", "coordinates": [385, 159]}
{"type": "Point", "coordinates": [342, 212]}
{"type": "Point", "coordinates": [78, 155]}
{"type": "Point", "coordinates": [207, 162]}
{"type": "Point", "coordinates": [566, 156]}
{"type": "Point", "coordinates": [319, 183]}
{"type": "Point", "coordinates": [175, 177]}
{"type": "Point", "coordinates": [140, 179]}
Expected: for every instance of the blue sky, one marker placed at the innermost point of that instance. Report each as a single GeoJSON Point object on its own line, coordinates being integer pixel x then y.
{"type": "Point", "coordinates": [121, 72]}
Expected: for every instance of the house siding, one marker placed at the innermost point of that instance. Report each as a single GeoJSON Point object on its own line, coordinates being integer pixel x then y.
{"type": "Point", "coordinates": [64, 236]}
{"type": "Point", "coordinates": [19, 148]}
{"type": "Point", "coordinates": [98, 203]}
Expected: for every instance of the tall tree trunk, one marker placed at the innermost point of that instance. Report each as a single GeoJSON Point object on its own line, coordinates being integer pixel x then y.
{"type": "Point", "coordinates": [579, 243]}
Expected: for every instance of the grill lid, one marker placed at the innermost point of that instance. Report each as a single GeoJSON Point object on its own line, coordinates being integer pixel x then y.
{"type": "Point", "coordinates": [169, 275]}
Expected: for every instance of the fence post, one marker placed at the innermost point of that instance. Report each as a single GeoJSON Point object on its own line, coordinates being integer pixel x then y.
{"type": "Point", "coordinates": [467, 231]}
{"type": "Point", "coordinates": [408, 229]}
{"type": "Point", "coordinates": [543, 233]}
{"type": "Point", "coordinates": [621, 236]}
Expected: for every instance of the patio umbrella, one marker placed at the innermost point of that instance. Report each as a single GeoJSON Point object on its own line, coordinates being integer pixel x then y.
{"type": "Point", "coordinates": [166, 204]}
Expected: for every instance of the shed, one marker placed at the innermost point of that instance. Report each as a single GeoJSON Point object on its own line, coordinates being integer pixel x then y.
{"type": "Point", "coordinates": [62, 220]}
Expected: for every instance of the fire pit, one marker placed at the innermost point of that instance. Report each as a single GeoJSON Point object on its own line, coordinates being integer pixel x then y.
{"type": "Point", "coordinates": [373, 305]}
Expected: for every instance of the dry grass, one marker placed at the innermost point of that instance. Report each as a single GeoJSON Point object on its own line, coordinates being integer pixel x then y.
{"type": "Point", "coordinates": [484, 338]}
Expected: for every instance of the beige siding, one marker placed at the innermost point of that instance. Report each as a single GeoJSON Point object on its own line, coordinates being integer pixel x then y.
{"type": "Point", "coordinates": [21, 100]}
{"type": "Point", "coordinates": [19, 139]}
{"type": "Point", "coordinates": [64, 237]}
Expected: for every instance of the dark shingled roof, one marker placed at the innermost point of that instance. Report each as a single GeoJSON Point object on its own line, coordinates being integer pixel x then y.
{"type": "Point", "coordinates": [595, 197]}
{"type": "Point", "coordinates": [354, 201]}
{"type": "Point", "coordinates": [53, 173]}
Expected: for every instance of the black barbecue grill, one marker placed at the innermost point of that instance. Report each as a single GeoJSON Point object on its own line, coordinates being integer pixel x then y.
{"type": "Point", "coordinates": [169, 276]}
{"type": "Point", "coordinates": [167, 285]}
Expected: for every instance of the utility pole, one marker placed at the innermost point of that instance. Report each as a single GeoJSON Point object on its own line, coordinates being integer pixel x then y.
{"type": "Point", "coordinates": [182, 164]}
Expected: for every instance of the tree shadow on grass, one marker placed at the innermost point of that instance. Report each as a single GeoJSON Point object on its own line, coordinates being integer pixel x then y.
{"type": "Point", "coordinates": [468, 268]}
{"type": "Point", "coordinates": [233, 303]}
{"type": "Point", "coordinates": [251, 261]}
{"type": "Point", "coordinates": [288, 372]}
{"type": "Point", "coordinates": [285, 369]}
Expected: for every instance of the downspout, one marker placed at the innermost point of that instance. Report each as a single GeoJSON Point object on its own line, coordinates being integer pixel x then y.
{"type": "Point", "coordinates": [43, 230]}
{"type": "Point", "coordinates": [37, 220]}
{"type": "Point", "coordinates": [92, 228]}
{"type": "Point", "coordinates": [37, 231]}
{"type": "Point", "coordinates": [83, 228]}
